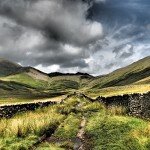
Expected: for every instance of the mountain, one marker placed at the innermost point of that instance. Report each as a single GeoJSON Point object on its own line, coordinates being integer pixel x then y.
{"type": "Point", "coordinates": [131, 74]}
{"type": "Point", "coordinates": [29, 76]}
{"type": "Point", "coordinates": [130, 78]}
{"type": "Point", "coordinates": [7, 67]}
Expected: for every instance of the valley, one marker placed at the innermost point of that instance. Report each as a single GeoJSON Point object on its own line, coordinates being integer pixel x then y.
{"type": "Point", "coordinates": [59, 111]}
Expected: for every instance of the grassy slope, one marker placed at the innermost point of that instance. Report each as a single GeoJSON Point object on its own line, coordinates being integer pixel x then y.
{"type": "Point", "coordinates": [124, 76]}
{"type": "Point", "coordinates": [53, 83]}
{"type": "Point", "coordinates": [118, 90]}
{"type": "Point", "coordinates": [24, 78]}
{"type": "Point", "coordinates": [143, 81]}
{"type": "Point", "coordinates": [133, 78]}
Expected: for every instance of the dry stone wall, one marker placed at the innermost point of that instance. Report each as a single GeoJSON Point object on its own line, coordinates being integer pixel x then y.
{"type": "Point", "coordinates": [11, 110]}
{"type": "Point", "coordinates": [136, 104]}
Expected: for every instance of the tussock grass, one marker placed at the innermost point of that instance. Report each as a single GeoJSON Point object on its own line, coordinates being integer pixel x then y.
{"type": "Point", "coordinates": [109, 129]}
{"type": "Point", "coordinates": [11, 143]}
{"type": "Point", "coordinates": [30, 122]}
{"type": "Point", "coordinates": [16, 133]}
{"type": "Point", "coordinates": [117, 110]}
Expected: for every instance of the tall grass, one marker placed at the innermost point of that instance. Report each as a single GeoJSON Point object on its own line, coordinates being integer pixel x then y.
{"type": "Point", "coordinates": [117, 110]}
{"type": "Point", "coordinates": [30, 122]}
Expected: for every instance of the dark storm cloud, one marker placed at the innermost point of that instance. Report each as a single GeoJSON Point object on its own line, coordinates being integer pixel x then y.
{"type": "Point", "coordinates": [75, 35]}
{"type": "Point", "coordinates": [58, 20]}
{"type": "Point", "coordinates": [37, 31]}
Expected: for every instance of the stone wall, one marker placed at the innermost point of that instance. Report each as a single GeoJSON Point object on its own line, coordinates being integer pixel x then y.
{"type": "Point", "coordinates": [136, 104]}
{"type": "Point", "coordinates": [11, 110]}
{"type": "Point", "coordinates": [139, 105]}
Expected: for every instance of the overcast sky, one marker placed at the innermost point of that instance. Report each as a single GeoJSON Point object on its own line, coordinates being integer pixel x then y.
{"type": "Point", "coordinates": [93, 36]}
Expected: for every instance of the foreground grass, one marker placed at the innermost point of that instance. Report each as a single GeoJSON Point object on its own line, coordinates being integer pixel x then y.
{"type": "Point", "coordinates": [21, 127]}
{"type": "Point", "coordinates": [106, 129]}
{"type": "Point", "coordinates": [113, 132]}
{"type": "Point", "coordinates": [69, 128]}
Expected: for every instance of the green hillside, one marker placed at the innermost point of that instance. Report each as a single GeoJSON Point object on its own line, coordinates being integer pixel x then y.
{"type": "Point", "coordinates": [143, 81]}
{"type": "Point", "coordinates": [130, 79]}
{"type": "Point", "coordinates": [26, 79]}
{"type": "Point", "coordinates": [124, 76]}
{"type": "Point", "coordinates": [76, 121]}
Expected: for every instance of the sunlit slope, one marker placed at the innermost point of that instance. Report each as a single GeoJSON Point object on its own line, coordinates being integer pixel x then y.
{"type": "Point", "coordinates": [118, 90]}
{"type": "Point", "coordinates": [143, 81]}
{"type": "Point", "coordinates": [124, 76]}
{"type": "Point", "coordinates": [26, 79]}
{"type": "Point", "coordinates": [13, 89]}
{"type": "Point", "coordinates": [59, 83]}
{"type": "Point", "coordinates": [137, 74]}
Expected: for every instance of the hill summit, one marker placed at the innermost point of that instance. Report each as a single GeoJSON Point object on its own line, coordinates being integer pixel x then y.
{"type": "Point", "coordinates": [8, 67]}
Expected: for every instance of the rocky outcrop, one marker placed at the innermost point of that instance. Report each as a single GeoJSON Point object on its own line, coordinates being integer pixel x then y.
{"type": "Point", "coordinates": [136, 104]}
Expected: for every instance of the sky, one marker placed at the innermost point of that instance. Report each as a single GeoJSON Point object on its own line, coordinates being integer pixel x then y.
{"type": "Point", "coordinates": [92, 36]}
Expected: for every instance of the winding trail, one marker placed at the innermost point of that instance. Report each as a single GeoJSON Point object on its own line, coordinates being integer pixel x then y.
{"type": "Point", "coordinates": [79, 142]}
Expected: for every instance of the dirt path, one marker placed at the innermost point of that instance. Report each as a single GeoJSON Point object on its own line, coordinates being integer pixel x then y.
{"type": "Point", "coordinates": [79, 142]}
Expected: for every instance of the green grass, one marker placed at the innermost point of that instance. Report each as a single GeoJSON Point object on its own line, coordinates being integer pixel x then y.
{"type": "Point", "coordinates": [63, 85]}
{"type": "Point", "coordinates": [123, 76]}
{"type": "Point", "coordinates": [112, 132]}
{"type": "Point", "coordinates": [47, 146]}
{"type": "Point", "coordinates": [12, 143]}
{"type": "Point", "coordinates": [118, 90]}
{"type": "Point", "coordinates": [27, 80]}
{"type": "Point", "coordinates": [143, 81]}
{"type": "Point", "coordinates": [21, 125]}
{"type": "Point", "coordinates": [109, 129]}
{"type": "Point", "coordinates": [17, 131]}
{"type": "Point", "coordinates": [69, 128]}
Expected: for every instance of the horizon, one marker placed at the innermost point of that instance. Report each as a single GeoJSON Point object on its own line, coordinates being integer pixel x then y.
{"type": "Point", "coordinates": [75, 72]}
{"type": "Point", "coordinates": [92, 36]}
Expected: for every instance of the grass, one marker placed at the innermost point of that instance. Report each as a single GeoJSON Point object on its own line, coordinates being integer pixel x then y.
{"type": "Point", "coordinates": [144, 81]}
{"type": "Point", "coordinates": [21, 125]}
{"type": "Point", "coordinates": [113, 132]}
{"type": "Point", "coordinates": [117, 110]}
{"type": "Point", "coordinates": [118, 90]}
{"type": "Point", "coordinates": [12, 143]}
{"type": "Point", "coordinates": [17, 130]}
{"type": "Point", "coordinates": [13, 101]}
{"type": "Point", "coordinates": [27, 80]}
{"type": "Point", "coordinates": [47, 146]}
{"type": "Point", "coordinates": [109, 129]}
{"type": "Point", "coordinates": [63, 85]}
{"type": "Point", "coordinates": [69, 128]}
{"type": "Point", "coordinates": [123, 76]}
